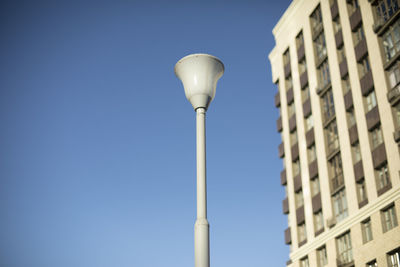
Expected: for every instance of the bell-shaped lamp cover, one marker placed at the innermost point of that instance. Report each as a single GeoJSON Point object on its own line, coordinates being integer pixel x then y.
{"type": "Point", "coordinates": [199, 74]}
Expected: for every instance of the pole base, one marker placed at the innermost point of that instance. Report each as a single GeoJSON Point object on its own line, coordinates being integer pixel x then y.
{"type": "Point", "coordinates": [201, 243]}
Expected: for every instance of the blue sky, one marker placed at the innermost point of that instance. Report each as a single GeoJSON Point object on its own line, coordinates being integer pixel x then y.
{"type": "Point", "coordinates": [97, 139]}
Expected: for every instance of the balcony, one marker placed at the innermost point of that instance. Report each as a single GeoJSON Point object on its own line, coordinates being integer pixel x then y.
{"type": "Point", "coordinates": [313, 169]}
{"type": "Point", "coordinates": [285, 206]}
{"type": "Point", "coordinates": [289, 96]}
{"type": "Point", "coordinates": [279, 124]}
{"type": "Point", "coordinates": [300, 53]}
{"type": "Point", "coordinates": [379, 156]}
{"type": "Point", "coordinates": [348, 100]}
{"type": "Point", "coordinates": [393, 95]}
{"type": "Point", "coordinates": [343, 68]}
{"type": "Point", "coordinates": [288, 236]}
{"type": "Point", "coordinates": [303, 79]}
{"type": "Point", "coordinates": [316, 203]}
{"type": "Point", "coordinates": [292, 123]}
{"type": "Point", "coordinates": [339, 39]}
{"type": "Point", "coordinates": [340, 262]}
{"type": "Point", "coordinates": [300, 215]}
{"type": "Point", "coordinates": [295, 152]}
{"type": "Point", "coordinates": [355, 19]}
{"type": "Point", "coordinates": [297, 182]}
{"type": "Point", "coordinates": [287, 70]}
{"type": "Point", "coordinates": [281, 150]}
{"type": "Point", "coordinates": [277, 100]}
{"type": "Point", "coordinates": [334, 10]}
{"type": "Point", "coordinates": [361, 50]}
{"type": "Point", "coordinates": [310, 138]}
{"type": "Point", "coordinates": [358, 171]}
{"type": "Point", "coordinates": [353, 133]}
{"type": "Point", "coordinates": [307, 108]}
{"type": "Point", "coordinates": [373, 118]}
{"type": "Point", "coordinates": [367, 83]}
{"type": "Point", "coordinates": [283, 177]}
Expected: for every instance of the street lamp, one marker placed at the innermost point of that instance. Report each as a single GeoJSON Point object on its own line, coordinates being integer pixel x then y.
{"type": "Point", "coordinates": [199, 74]}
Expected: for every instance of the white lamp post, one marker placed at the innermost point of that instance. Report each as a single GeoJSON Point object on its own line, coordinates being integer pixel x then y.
{"type": "Point", "coordinates": [199, 74]}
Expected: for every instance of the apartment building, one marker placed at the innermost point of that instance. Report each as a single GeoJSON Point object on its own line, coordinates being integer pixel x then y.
{"type": "Point", "coordinates": [336, 67]}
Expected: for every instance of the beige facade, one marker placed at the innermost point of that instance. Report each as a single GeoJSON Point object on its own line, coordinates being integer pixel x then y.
{"type": "Point", "coordinates": [336, 67]}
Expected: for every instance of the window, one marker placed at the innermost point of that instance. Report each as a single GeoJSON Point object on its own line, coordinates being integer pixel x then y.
{"type": "Point", "coordinates": [289, 83]}
{"type": "Point", "coordinates": [396, 116]}
{"type": "Point", "coordinates": [382, 177]}
{"type": "Point", "coordinates": [355, 149]}
{"type": "Point", "coordinates": [320, 46]}
{"type": "Point", "coordinates": [336, 24]}
{"type": "Point", "coordinates": [296, 167]}
{"type": "Point", "coordinates": [391, 41]}
{"type": "Point", "coordinates": [372, 264]}
{"type": "Point", "coordinates": [353, 6]}
{"type": "Point", "coordinates": [393, 258]}
{"type": "Point", "coordinates": [299, 199]}
{"type": "Point", "coordinates": [309, 123]}
{"type": "Point", "coordinates": [291, 109]}
{"type": "Point", "coordinates": [301, 230]}
{"type": "Point", "coordinates": [299, 39]}
{"type": "Point", "coordinates": [358, 35]}
{"type": "Point", "coordinates": [370, 101]}
{"type": "Point", "coordinates": [366, 230]}
{"type": "Point", "coordinates": [361, 191]}
{"type": "Point", "coordinates": [305, 93]}
{"type": "Point", "coordinates": [331, 135]}
{"type": "Point", "coordinates": [346, 84]}
{"type": "Point", "coordinates": [322, 257]}
{"type": "Point", "coordinates": [328, 105]}
{"type": "Point", "coordinates": [341, 54]}
{"type": "Point", "coordinates": [386, 8]}
{"type": "Point", "coordinates": [376, 137]}
{"type": "Point", "coordinates": [350, 118]}
{"type": "Point", "coordinates": [394, 76]}
{"type": "Point", "coordinates": [345, 253]}
{"type": "Point", "coordinates": [286, 57]}
{"type": "Point", "coordinates": [389, 220]}
{"type": "Point", "coordinates": [365, 67]}
{"type": "Point", "coordinates": [318, 221]}
{"type": "Point", "coordinates": [324, 76]}
{"type": "Point", "coordinates": [304, 262]}
{"type": "Point", "coordinates": [316, 18]}
{"type": "Point", "coordinates": [335, 172]}
{"type": "Point", "coordinates": [340, 205]}
{"type": "Point", "coordinates": [293, 137]}
{"type": "Point", "coordinates": [315, 189]}
{"type": "Point", "coordinates": [312, 154]}
{"type": "Point", "coordinates": [302, 66]}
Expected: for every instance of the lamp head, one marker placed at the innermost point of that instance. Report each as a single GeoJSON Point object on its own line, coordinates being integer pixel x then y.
{"type": "Point", "coordinates": [199, 74]}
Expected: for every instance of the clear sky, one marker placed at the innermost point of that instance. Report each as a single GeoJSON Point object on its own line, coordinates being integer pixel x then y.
{"type": "Point", "coordinates": [97, 139]}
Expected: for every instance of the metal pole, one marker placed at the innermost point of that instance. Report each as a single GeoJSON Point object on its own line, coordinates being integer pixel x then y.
{"type": "Point", "coordinates": [201, 227]}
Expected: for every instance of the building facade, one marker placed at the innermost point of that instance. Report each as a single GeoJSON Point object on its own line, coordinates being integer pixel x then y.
{"type": "Point", "coordinates": [336, 66]}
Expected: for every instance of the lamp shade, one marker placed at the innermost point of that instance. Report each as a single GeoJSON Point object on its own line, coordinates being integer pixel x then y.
{"type": "Point", "coordinates": [199, 74]}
